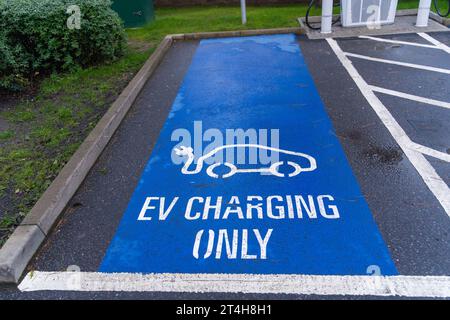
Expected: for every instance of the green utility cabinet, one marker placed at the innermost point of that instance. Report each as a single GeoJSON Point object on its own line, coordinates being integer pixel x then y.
{"type": "Point", "coordinates": [134, 13]}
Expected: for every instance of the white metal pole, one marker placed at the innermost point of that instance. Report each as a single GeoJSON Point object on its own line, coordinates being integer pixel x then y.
{"type": "Point", "coordinates": [423, 13]}
{"type": "Point", "coordinates": [243, 12]}
{"type": "Point", "coordinates": [327, 16]}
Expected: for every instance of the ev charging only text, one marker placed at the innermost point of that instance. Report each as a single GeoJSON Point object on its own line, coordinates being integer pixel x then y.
{"type": "Point", "coordinates": [234, 243]}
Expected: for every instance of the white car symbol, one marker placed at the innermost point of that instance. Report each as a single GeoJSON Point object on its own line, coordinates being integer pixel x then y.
{"type": "Point", "coordinates": [273, 169]}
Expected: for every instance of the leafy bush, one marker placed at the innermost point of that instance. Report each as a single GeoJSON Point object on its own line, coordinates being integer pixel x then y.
{"type": "Point", "coordinates": [11, 65]}
{"type": "Point", "coordinates": [35, 38]}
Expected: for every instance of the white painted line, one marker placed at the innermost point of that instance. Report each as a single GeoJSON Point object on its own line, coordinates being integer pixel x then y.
{"type": "Point", "coordinates": [431, 152]}
{"type": "Point", "coordinates": [400, 42]}
{"type": "Point", "coordinates": [406, 286]}
{"type": "Point", "coordinates": [408, 96]}
{"type": "Point", "coordinates": [273, 169]}
{"type": "Point", "coordinates": [437, 43]}
{"type": "Point", "coordinates": [434, 182]}
{"type": "Point", "coordinates": [403, 64]}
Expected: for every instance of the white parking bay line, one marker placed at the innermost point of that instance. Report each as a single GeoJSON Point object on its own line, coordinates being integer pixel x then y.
{"type": "Point", "coordinates": [408, 96]}
{"type": "Point", "coordinates": [437, 43]}
{"type": "Point", "coordinates": [434, 182]}
{"type": "Point", "coordinates": [431, 152]}
{"type": "Point", "coordinates": [406, 286]}
{"type": "Point", "coordinates": [400, 42]}
{"type": "Point", "coordinates": [403, 64]}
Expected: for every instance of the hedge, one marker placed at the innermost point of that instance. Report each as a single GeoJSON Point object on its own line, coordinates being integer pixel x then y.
{"type": "Point", "coordinates": [35, 38]}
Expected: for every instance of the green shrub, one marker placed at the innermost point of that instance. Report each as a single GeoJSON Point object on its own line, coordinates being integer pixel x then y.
{"type": "Point", "coordinates": [11, 65]}
{"type": "Point", "coordinates": [35, 38]}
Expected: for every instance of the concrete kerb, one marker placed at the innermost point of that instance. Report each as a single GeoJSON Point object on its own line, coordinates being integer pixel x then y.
{"type": "Point", "coordinates": [441, 20]}
{"type": "Point", "coordinates": [239, 33]}
{"type": "Point", "coordinates": [26, 240]}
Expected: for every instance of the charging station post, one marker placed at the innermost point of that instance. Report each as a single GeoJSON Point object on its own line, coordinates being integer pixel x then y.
{"type": "Point", "coordinates": [423, 13]}
{"type": "Point", "coordinates": [327, 16]}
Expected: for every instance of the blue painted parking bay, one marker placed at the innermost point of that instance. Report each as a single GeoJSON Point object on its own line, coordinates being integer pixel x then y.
{"type": "Point", "coordinates": [198, 209]}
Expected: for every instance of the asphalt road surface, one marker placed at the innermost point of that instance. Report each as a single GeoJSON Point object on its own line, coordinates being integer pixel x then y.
{"type": "Point", "coordinates": [367, 121]}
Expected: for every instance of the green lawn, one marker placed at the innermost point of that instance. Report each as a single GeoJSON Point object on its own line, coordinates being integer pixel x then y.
{"type": "Point", "coordinates": [41, 130]}
{"type": "Point", "coordinates": [196, 19]}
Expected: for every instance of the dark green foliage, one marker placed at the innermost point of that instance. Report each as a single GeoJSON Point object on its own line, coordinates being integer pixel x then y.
{"type": "Point", "coordinates": [35, 38]}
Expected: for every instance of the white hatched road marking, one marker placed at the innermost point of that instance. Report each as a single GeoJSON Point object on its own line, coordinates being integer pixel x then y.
{"type": "Point", "coordinates": [415, 146]}
{"type": "Point", "coordinates": [408, 96]}
{"type": "Point", "coordinates": [430, 152]}
{"type": "Point", "coordinates": [406, 286]}
{"type": "Point", "coordinates": [437, 43]}
{"type": "Point", "coordinates": [403, 64]}
{"type": "Point", "coordinates": [400, 42]}
{"type": "Point", "coordinates": [434, 182]}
